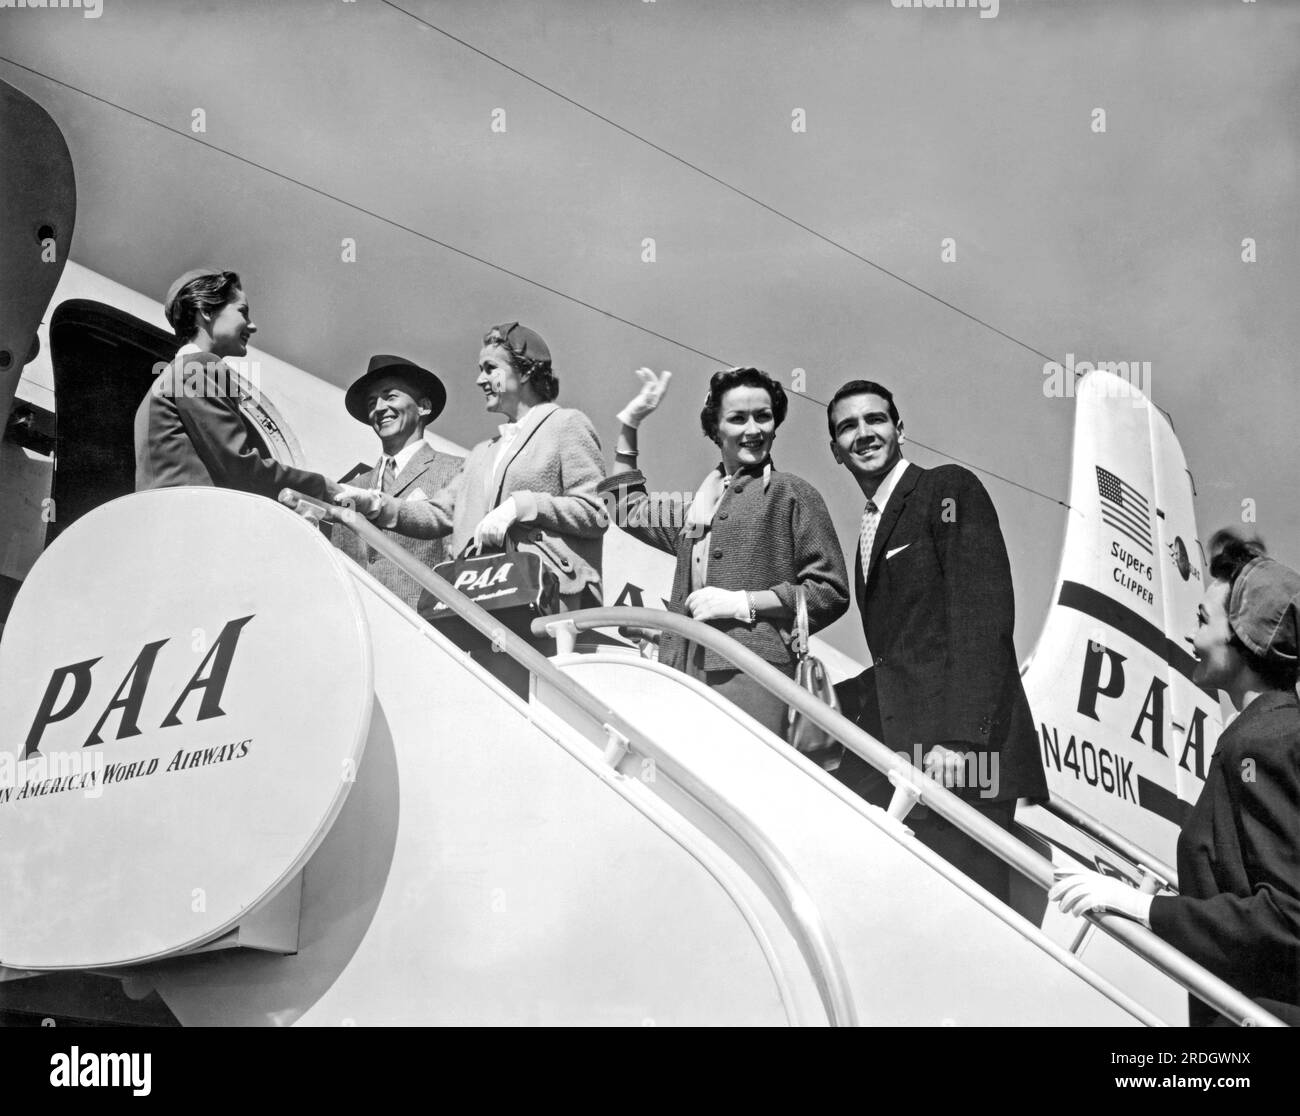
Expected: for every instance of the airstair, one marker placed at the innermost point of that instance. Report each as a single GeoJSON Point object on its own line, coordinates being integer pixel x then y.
{"type": "Point", "coordinates": [403, 840]}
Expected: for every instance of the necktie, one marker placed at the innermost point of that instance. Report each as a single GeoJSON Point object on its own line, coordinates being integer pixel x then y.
{"type": "Point", "coordinates": [389, 481]}
{"type": "Point", "coordinates": [870, 521]}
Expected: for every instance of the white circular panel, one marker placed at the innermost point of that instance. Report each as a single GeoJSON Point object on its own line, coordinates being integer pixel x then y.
{"type": "Point", "coordinates": [185, 689]}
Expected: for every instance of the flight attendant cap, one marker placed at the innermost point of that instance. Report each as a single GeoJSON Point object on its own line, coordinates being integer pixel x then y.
{"type": "Point", "coordinates": [184, 281]}
{"type": "Point", "coordinates": [1264, 610]}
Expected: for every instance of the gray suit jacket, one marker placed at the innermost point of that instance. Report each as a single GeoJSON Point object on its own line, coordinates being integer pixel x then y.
{"type": "Point", "coordinates": [427, 472]}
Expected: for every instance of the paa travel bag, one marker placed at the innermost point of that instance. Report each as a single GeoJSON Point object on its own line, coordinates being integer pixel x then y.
{"type": "Point", "coordinates": [515, 585]}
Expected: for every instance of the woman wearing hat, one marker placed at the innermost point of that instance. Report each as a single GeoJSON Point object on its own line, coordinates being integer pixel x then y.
{"type": "Point", "coordinates": [536, 480]}
{"type": "Point", "coordinates": [189, 429]}
{"type": "Point", "coordinates": [750, 539]}
{"type": "Point", "coordinates": [1238, 913]}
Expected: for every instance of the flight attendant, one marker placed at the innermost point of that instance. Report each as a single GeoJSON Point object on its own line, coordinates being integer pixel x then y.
{"type": "Point", "coordinates": [1238, 912]}
{"type": "Point", "coordinates": [189, 428]}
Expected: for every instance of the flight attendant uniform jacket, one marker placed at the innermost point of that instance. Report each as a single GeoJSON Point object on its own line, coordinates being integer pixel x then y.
{"type": "Point", "coordinates": [1238, 913]}
{"type": "Point", "coordinates": [189, 430]}
{"type": "Point", "coordinates": [766, 534]}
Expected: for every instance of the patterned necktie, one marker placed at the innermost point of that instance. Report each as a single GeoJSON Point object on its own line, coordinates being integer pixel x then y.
{"type": "Point", "coordinates": [870, 521]}
{"type": "Point", "coordinates": [389, 481]}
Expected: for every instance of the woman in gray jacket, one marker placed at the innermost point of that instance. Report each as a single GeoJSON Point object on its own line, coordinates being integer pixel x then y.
{"type": "Point", "coordinates": [751, 536]}
{"type": "Point", "coordinates": [536, 480]}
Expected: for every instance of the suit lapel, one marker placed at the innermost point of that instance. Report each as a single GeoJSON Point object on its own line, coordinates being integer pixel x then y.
{"type": "Point", "coordinates": [532, 423]}
{"type": "Point", "coordinates": [893, 509]}
{"type": "Point", "coordinates": [415, 469]}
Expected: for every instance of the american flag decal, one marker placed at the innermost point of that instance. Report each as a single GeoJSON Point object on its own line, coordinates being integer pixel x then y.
{"type": "Point", "coordinates": [1125, 508]}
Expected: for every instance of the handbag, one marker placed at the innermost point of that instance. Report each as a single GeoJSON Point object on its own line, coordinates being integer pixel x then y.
{"type": "Point", "coordinates": [810, 674]}
{"type": "Point", "coordinates": [515, 585]}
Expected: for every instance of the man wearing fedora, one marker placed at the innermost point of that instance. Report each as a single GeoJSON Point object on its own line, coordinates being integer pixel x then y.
{"type": "Point", "coordinates": [398, 400]}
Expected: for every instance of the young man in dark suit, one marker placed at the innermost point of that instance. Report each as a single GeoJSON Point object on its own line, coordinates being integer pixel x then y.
{"type": "Point", "coordinates": [398, 400]}
{"type": "Point", "coordinates": [933, 585]}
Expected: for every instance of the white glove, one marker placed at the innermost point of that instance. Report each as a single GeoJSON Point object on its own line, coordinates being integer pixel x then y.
{"type": "Point", "coordinates": [492, 528]}
{"type": "Point", "coordinates": [647, 399]}
{"type": "Point", "coordinates": [711, 603]}
{"type": "Point", "coordinates": [367, 501]}
{"type": "Point", "coordinates": [1079, 892]}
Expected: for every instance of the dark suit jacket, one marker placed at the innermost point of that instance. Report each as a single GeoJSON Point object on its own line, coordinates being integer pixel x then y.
{"type": "Point", "coordinates": [190, 431]}
{"type": "Point", "coordinates": [938, 612]}
{"type": "Point", "coordinates": [776, 536]}
{"type": "Point", "coordinates": [1239, 863]}
{"type": "Point", "coordinates": [428, 472]}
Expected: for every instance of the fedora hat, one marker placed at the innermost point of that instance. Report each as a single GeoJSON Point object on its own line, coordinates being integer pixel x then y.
{"type": "Point", "coordinates": [423, 383]}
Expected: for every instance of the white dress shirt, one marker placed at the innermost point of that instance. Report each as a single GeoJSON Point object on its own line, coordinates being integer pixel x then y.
{"type": "Point", "coordinates": [887, 486]}
{"type": "Point", "coordinates": [509, 431]}
{"type": "Point", "coordinates": [401, 459]}
{"type": "Point", "coordinates": [871, 518]}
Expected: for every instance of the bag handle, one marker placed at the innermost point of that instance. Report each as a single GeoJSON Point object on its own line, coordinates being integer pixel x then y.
{"type": "Point", "coordinates": [507, 548]}
{"type": "Point", "coordinates": [800, 622]}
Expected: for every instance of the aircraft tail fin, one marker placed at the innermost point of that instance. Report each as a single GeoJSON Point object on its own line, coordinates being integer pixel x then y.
{"type": "Point", "coordinates": [1126, 735]}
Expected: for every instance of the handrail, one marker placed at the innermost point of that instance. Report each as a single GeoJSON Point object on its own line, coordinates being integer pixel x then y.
{"type": "Point", "coordinates": [1116, 841]}
{"type": "Point", "coordinates": [800, 914]}
{"type": "Point", "coordinates": [903, 774]}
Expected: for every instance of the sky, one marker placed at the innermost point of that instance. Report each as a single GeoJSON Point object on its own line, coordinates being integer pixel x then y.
{"type": "Point", "coordinates": [920, 125]}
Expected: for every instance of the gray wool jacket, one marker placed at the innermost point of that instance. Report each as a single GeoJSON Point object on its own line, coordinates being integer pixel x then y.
{"type": "Point", "coordinates": [552, 470]}
{"type": "Point", "coordinates": [774, 536]}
